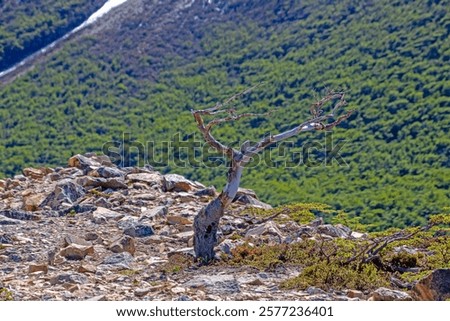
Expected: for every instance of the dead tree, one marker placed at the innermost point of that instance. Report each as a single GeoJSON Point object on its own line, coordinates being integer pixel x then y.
{"type": "Point", "coordinates": [206, 222]}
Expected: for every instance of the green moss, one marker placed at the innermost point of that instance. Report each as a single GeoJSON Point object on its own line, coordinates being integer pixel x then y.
{"type": "Point", "coordinates": [5, 295]}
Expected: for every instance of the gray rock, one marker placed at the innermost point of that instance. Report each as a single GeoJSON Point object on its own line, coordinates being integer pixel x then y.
{"type": "Point", "coordinates": [69, 278]}
{"type": "Point", "coordinates": [76, 251]}
{"type": "Point", "coordinates": [223, 284]}
{"type": "Point", "coordinates": [127, 222]}
{"type": "Point", "coordinates": [20, 215]}
{"type": "Point", "coordinates": [65, 191]}
{"type": "Point", "coordinates": [113, 183]}
{"type": "Point", "coordinates": [73, 239]}
{"type": "Point", "coordinates": [9, 221]}
{"type": "Point", "coordinates": [109, 172]}
{"type": "Point", "coordinates": [101, 214]}
{"type": "Point", "coordinates": [124, 244]}
{"type": "Point", "coordinates": [6, 239]}
{"type": "Point", "coordinates": [210, 191]}
{"type": "Point", "coordinates": [148, 178]}
{"type": "Point", "coordinates": [268, 228]}
{"type": "Point", "coordinates": [316, 222]}
{"type": "Point", "coordinates": [86, 163]}
{"type": "Point", "coordinates": [119, 261]}
{"type": "Point", "coordinates": [249, 200]}
{"type": "Point", "coordinates": [434, 287]}
{"type": "Point", "coordinates": [141, 230]}
{"type": "Point", "coordinates": [156, 212]}
{"type": "Point", "coordinates": [178, 183]}
{"type": "Point", "coordinates": [334, 231]}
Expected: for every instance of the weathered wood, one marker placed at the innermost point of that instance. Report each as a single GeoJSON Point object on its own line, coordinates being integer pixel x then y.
{"type": "Point", "coordinates": [207, 221]}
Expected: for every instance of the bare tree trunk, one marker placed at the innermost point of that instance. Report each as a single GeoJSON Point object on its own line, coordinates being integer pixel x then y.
{"type": "Point", "coordinates": [206, 222]}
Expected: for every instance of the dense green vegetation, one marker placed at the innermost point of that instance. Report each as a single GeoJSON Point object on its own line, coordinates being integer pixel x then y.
{"type": "Point", "coordinates": [392, 57]}
{"type": "Point", "coordinates": [27, 26]}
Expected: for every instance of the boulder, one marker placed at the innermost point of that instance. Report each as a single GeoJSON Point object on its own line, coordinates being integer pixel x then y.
{"type": "Point", "coordinates": [434, 287]}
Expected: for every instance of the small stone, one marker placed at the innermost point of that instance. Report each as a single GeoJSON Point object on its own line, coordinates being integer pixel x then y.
{"type": "Point", "coordinates": [65, 191]}
{"type": "Point", "coordinates": [9, 221]}
{"type": "Point", "coordinates": [107, 172]}
{"type": "Point", "coordinates": [75, 278]}
{"type": "Point", "coordinates": [124, 244]}
{"type": "Point", "coordinates": [269, 228]}
{"type": "Point", "coordinates": [223, 284]}
{"type": "Point", "coordinates": [139, 230]}
{"type": "Point", "coordinates": [141, 292]}
{"type": "Point", "coordinates": [101, 297]}
{"type": "Point", "coordinates": [355, 294]}
{"type": "Point", "coordinates": [102, 213]}
{"type": "Point", "coordinates": [87, 268]}
{"type": "Point", "coordinates": [113, 183]}
{"type": "Point", "coordinates": [178, 290]}
{"type": "Point", "coordinates": [84, 163]}
{"type": "Point", "coordinates": [156, 212]}
{"type": "Point", "coordinates": [76, 252]}
{"type": "Point", "coordinates": [120, 260]}
{"type": "Point", "coordinates": [178, 220]}
{"type": "Point", "coordinates": [31, 203]}
{"type": "Point", "coordinates": [358, 235]}
{"type": "Point", "coordinates": [385, 294]}
{"type": "Point", "coordinates": [149, 178]}
{"type": "Point", "coordinates": [210, 191]}
{"type": "Point", "coordinates": [32, 268]}
{"type": "Point", "coordinates": [333, 231]}
{"type": "Point", "coordinates": [178, 183]}
{"type": "Point", "coordinates": [184, 236]}
{"type": "Point", "coordinates": [73, 239]}
{"type": "Point", "coordinates": [91, 236]}
{"type": "Point", "coordinates": [36, 173]}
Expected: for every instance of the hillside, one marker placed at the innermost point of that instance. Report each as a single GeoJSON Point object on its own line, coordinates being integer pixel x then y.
{"type": "Point", "coordinates": [93, 231]}
{"type": "Point", "coordinates": [142, 68]}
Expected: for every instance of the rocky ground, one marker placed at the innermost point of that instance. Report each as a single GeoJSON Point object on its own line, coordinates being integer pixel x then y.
{"type": "Point", "coordinates": [92, 231]}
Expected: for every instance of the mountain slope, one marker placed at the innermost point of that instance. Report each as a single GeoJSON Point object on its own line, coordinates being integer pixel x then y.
{"type": "Point", "coordinates": [142, 68]}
